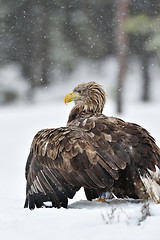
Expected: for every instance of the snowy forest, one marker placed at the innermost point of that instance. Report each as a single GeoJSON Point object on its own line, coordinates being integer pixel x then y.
{"type": "Point", "coordinates": [45, 41]}
{"type": "Point", "coordinates": [48, 47]}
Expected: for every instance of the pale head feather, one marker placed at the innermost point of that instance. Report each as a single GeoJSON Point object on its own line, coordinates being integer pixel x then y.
{"type": "Point", "coordinates": [91, 100]}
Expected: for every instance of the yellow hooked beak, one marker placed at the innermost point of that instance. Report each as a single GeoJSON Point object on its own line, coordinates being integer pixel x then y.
{"type": "Point", "coordinates": [71, 96]}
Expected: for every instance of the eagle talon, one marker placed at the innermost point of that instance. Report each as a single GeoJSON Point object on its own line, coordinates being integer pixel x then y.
{"type": "Point", "coordinates": [102, 200]}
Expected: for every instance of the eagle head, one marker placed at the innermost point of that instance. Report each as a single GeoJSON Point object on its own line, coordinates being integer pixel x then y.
{"type": "Point", "coordinates": [89, 98]}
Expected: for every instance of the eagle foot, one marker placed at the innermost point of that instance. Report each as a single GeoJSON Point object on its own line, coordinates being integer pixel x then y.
{"type": "Point", "coordinates": [102, 200]}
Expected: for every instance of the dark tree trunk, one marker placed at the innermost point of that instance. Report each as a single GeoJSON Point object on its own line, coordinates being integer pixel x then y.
{"type": "Point", "coordinates": [146, 77]}
{"type": "Point", "coordinates": [122, 45]}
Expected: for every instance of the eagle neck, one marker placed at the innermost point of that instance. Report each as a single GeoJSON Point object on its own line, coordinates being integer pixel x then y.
{"type": "Point", "coordinates": [81, 111]}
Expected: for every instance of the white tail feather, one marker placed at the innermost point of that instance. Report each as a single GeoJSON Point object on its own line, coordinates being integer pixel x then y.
{"type": "Point", "coordinates": [152, 187]}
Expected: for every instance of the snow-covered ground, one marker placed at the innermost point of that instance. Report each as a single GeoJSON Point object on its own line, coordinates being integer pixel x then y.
{"type": "Point", "coordinates": [82, 220]}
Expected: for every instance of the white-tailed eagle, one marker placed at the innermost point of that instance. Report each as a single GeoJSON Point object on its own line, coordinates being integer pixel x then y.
{"type": "Point", "coordinates": [93, 151]}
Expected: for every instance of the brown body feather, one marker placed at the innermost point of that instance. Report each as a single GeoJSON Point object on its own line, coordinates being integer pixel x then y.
{"type": "Point", "coordinates": [96, 152]}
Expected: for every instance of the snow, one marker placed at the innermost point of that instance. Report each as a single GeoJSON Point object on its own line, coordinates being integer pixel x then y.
{"type": "Point", "coordinates": [82, 220]}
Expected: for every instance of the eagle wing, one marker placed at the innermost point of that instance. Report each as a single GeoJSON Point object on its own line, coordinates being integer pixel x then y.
{"type": "Point", "coordinates": [64, 159]}
{"type": "Point", "coordinates": [132, 149]}
{"type": "Point", "coordinates": [91, 153]}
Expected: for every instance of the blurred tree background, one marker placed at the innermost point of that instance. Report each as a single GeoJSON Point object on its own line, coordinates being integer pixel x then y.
{"type": "Point", "coordinates": [44, 37]}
